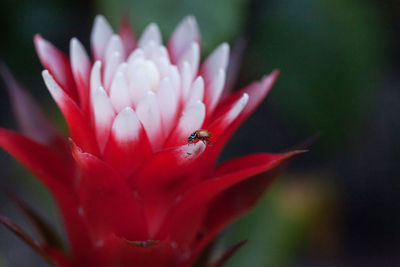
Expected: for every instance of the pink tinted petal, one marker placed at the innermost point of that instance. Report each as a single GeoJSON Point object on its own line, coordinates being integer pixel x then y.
{"type": "Point", "coordinates": [127, 35]}
{"type": "Point", "coordinates": [115, 45]}
{"type": "Point", "coordinates": [240, 198]}
{"type": "Point", "coordinates": [31, 119]}
{"type": "Point", "coordinates": [58, 65]}
{"type": "Point", "coordinates": [78, 125]}
{"type": "Point", "coordinates": [183, 36]}
{"type": "Point", "coordinates": [104, 115]}
{"type": "Point", "coordinates": [81, 65]}
{"type": "Point", "coordinates": [57, 176]}
{"type": "Point", "coordinates": [150, 34]}
{"type": "Point", "coordinates": [107, 202]}
{"type": "Point", "coordinates": [217, 60]}
{"type": "Point", "coordinates": [191, 210]}
{"type": "Point", "coordinates": [128, 146]}
{"type": "Point", "coordinates": [163, 177]}
{"type": "Point", "coordinates": [192, 56]}
{"type": "Point", "coordinates": [149, 115]}
{"type": "Point", "coordinates": [101, 34]}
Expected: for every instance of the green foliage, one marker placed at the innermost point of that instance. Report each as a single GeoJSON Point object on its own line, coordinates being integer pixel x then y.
{"type": "Point", "coordinates": [328, 52]}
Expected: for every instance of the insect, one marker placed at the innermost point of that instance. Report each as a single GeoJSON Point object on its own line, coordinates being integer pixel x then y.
{"type": "Point", "coordinates": [201, 134]}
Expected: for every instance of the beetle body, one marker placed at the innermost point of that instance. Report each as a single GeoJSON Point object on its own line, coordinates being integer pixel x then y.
{"type": "Point", "coordinates": [200, 135]}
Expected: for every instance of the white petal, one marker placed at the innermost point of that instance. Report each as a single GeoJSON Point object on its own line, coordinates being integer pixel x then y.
{"type": "Point", "coordinates": [218, 59]}
{"type": "Point", "coordinates": [54, 89]}
{"type": "Point", "coordinates": [168, 104]}
{"type": "Point", "coordinates": [136, 54]}
{"type": "Point", "coordinates": [112, 64]}
{"type": "Point", "coordinates": [80, 62]}
{"type": "Point", "coordinates": [148, 113]}
{"type": "Point", "coordinates": [186, 76]}
{"type": "Point", "coordinates": [119, 92]}
{"type": "Point", "coordinates": [103, 116]}
{"type": "Point", "coordinates": [139, 85]}
{"type": "Point", "coordinates": [192, 119]}
{"type": "Point", "coordinates": [192, 151]}
{"type": "Point", "coordinates": [100, 35]}
{"type": "Point", "coordinates": [150, 33]}
{"type": "Point", "coordinates": [184, 34]}
{"type": "Point", "coordinates": [214, 90]}
{"type": "Point", "coordinates": [236, 109]}
{"type": "Point", "coordinates": [95, 79]}
{"type": "Point", "coordinates": [126, 126]}
{"type": "Point", "coordinates": [192, 56]}
{"type": "Point", "coordinates": [196, 92]}
{"type": "Point", "coordinates": [175, 78]}
{"type": "Point", "coordinates": [115, 45]}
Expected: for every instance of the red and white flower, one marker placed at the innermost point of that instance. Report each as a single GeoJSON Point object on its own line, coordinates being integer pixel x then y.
{"type": "Point", "coordinates": [130, 189]}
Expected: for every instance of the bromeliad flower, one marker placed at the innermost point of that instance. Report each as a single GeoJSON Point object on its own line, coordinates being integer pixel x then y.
{"type": "Point", "coordinates": [130, 189]}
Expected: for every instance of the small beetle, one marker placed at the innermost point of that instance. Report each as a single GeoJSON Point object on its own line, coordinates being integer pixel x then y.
{"type": "Point", "coordinates": [201, 134]}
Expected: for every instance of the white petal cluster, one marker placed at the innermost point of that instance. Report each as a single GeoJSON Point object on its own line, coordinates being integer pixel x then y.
{"type": "Point", "coordinates": [165, 91]}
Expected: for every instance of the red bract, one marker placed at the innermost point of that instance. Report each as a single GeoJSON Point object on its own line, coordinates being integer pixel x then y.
{"type": "Point", "coordinates": [130, 189]}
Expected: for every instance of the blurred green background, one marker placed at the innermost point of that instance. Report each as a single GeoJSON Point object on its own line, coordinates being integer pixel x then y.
{"type": "Point", "coordinates": [340, 78]}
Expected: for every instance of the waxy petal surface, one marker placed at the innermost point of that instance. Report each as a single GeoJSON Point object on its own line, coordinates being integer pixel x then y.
{"type": "Point", "coordinates": [107, 202]}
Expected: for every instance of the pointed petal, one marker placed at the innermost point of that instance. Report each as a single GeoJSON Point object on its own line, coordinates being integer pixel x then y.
{"type": "Point", "coordinates": [119, 92]}
{"type": "Point", "coordinates": [168, 103]}
{"type": "Point", "coordinates": [95, 80]}
{"type": "Point", "coordinates": [115, 45]}
{"type": "Point", "coordinates": [213, 91]}
{"type": "Point", "coordinates": [185, 33]}
{"type": "Point", "coordinates": [196, 92]}
{"type": "Point", "coordinates": [243, 194]}
{"type": "Point", "coordinates": [256, 92]}
{"type": "Point", "coordinates": [192, 56]}
{"type": "Point", "coordinates": [127, 35]}
{"type": "Point", "coordinates": [191, 120]}
{"type": "Point", "coordinates": [190, 211]}
{"type": "Point", "coordinates": [217, 60]}
{"type": "Point", "coordinates": [104, 115]}
{"type": "Point", "coordinates": [58, 64]}
{"type": "Point", "coordinates": [112, 63]}
{"type": "Point", "coordinates": [101, 34]}
{"type": "Point", "coordinates": [128, 145]}
{"type": "Point", "coordinates": [139, 84]}
{"type": "Point", "coordinates": [77, 123]}
{"type": "Point", "coordinates": [163, 177]}
{"type": "Point", "coordinates": [58, 177]}
{"type": "Point", "coordinates": [148, 113]}
{"type": "Point", "coordinates": [150, 34]}
{"type": "Point", "coordinates": [31, 119]}
{"type": "Point", "coordinates": [107, 202]}
{"type": "Point", "coordinates": [186, 82]}
{"type": "Point", "coordinates": [81, 65]}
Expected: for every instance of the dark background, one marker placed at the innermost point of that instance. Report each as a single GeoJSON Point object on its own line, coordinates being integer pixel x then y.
{"type": "Point", "coordinates": [337, 205]}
